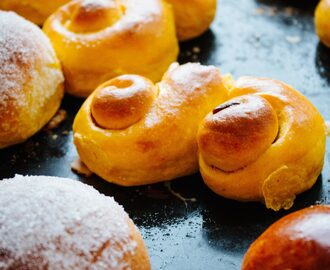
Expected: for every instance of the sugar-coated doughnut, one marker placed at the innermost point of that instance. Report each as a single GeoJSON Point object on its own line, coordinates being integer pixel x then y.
{"type": "Point", "coordinates": [31, 79]}
{"type": "Point", "coordinates": [57, 223]}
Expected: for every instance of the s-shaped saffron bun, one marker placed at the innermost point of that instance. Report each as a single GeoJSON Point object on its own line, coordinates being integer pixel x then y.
{"type": "Point", "coordinates": [31, 79]}
{"type": "Point", "coordinates": [97, 40]}
{"type": "Point", "coordinates": [298, 241]}
{"type": "Point", "coordinates": [36, 11]}
{"type": "Point", "coordinates": [267, 143]}
{"type": "Point", "coordinates": [193, 17]}
{"type": "Point", "coordinates": [322, 21]}
{"type": "Point", "coordinates": [132, 132]}
{"type": "Point", "coordinates": [57, 223]}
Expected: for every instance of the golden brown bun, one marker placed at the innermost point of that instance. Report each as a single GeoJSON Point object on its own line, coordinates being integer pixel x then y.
{"type": "Point", "coordinates": [31, 79]}
{"type": "Point", "coordinates": [299, 241]}
{"type": "Point", "coordinates": [193, 17]}
{"type": "Point", "coordinates": [36, 11]}
{"type": "Point", "coordinates": [322, 21]}
{"type": "Point", "coordinates": [160, 142]}
{"type": "Point", "coordinates": [57, 223]}
{"type": "Point", "coordinates": [97, 40]}
{"type": "Point", "coordinates": [265, 144]}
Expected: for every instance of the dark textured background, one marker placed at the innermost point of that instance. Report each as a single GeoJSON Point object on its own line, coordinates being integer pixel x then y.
{"type": "Point", "coordinates": [249, 37]}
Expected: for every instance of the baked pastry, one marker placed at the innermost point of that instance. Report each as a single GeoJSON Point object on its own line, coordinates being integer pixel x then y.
{"type": "Point", "coordinates": [267, 143]}
{"type": "Point", "coordinates": [57, 223]}
{"type": "Point", "coordinates": [193, 17]}
{"type": "Point", "coordinates": [132, 132]}
{"type": "Point", "coordinates": [299, 241]}
{"type": "Point", "coordinates": [36, 11]}
{"type": "Point", "coordinates": [31, 79]}
{"type": "Point", "coordinates": [97, 40]}
{"type": "Point", "coordinates": [322, 22]}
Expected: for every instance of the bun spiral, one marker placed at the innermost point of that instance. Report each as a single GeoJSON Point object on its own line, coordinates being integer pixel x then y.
{"type": "Point", "coordinates": [267, 143]}
{"type": "Point", "coordinates": [132, 132]}
{"type": "Point", "coordinates": [97, 40]}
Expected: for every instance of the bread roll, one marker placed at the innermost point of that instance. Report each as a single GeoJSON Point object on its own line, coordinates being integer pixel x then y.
{"type": "Point", "coordinates": [97, 40]}
{"type": "Point", "coordinates": [31, 85]}
{"type": "Point", "coordinates": [193, 17]}
{"type": "Point", "coordinates": [266, 143]}
{"type": "Point", "coordinates": [36, 11]}
{"type": "Point", "coordinates": [299, 241]}
{"type": "Point", "coordinates": [57, 223]}
{"type": "Point", "coordinates": [132, 132]}
{"type": "Point", "coordinates": [322, 21]}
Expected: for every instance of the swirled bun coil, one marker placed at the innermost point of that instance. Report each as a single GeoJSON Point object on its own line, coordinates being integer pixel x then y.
{"type": "Point", "coordinates": [193, 17]}
{"type": "Point", "coordinates": [299, 241]}
{"type": "Point", "coordinates": [266, 143]}
{"type": "Point", "coordinates": [133, 132]}
{"type": "Point", "coordinates": [322, 21]}
{"type": "Point", "coordinates": [97, 40]}
{"type": "Point", "coordinates": [57, 223]}
{"type": "Point", "coordinates": [36, 11]}
{"type": "Point", "coordinates": [31, 79]}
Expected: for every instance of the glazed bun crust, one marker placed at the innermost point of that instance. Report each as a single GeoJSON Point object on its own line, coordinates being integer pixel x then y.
{"type": "Point", "coordinates": [31, 86]}
{"type": "Point", "coordinates": [158, 140]}
{"type": "Point", "coordinates": [193, 17]}
{"type": "Point", "coordinates": [97, 40]}
{"type": "Point", "coordinates": [322, 22]}
{"type": "Point", "coordinates": [36, 11]}
{"type": "Point", "coordinates": [57, 223]}
{"type": "Point", "coordinates": [251, 146]}
{"type": "Point", "coordinates": [299, 241]}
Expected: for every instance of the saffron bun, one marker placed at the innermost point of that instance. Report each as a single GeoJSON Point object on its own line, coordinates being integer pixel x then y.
{"type": "Point", "coordinates": [132, 132]}
{"type": "Point", "coordinates": [31, 78]}
{"type": "Point", "coordinates": [36, 11]}
{"type": "Point", "coordinates": [322, 22]}
{"type": "Point", "coordinates": [300, 240]}
{"type": "Point", "coordinates": [97, 40]}
{"type": "Point", "coordinates": [57, 223]}
{"type": "Point", "coordinates": [266, 143]}
{"type": "Point", "coordinates": [193, 17]}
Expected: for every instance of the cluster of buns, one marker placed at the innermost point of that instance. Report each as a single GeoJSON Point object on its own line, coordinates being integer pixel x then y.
{"type": "Point", "coordinates": [133, 132]}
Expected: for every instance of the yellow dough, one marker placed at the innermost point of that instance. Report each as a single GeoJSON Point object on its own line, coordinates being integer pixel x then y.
{"type": "Point", "coordinates": [193, 17]}
{"type": "Point", "coordinates": [267, 143]}
{"type": "Point", "coordinates": [132, 132]}
{"type": "Point", "coordinates": [322, 21]}
{"type": "Point", "coordinates": [97, 40]}
{"type": "Point", "coordinates": [36, 11]}
{"type": "Point", "coordinates": [31, 79]}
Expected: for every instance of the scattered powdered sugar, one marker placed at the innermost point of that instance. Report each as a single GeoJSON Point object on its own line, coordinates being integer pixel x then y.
{"type": "Point", "coordinates": [57, 223]}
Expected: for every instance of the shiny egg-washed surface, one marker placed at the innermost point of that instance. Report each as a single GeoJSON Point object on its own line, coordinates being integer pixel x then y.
{"type": "Point", "coordinates": [273, 39]}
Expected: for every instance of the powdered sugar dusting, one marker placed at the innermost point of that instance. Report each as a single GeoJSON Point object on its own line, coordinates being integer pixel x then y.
{"type": "Point", "coordinates": [58, 223]}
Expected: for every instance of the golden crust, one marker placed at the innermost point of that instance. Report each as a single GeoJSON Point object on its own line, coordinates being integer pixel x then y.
{"type": "Point", "coordinates": [162, 145]}
{"type": "Point", "coordinates": [193, 17]}
{"type": "Point", "coordinates": [36, 11]}
{"type": "Point", "coordinates": [273, 172]}
{"type": "Point", "coordinates": [297, 241]}
{"type": "Point", "coordinates": [31, 79]}
{"type": "Point", "coordinates": [322, 22]}
{"type": "Point", "coordinates": [97, 41]}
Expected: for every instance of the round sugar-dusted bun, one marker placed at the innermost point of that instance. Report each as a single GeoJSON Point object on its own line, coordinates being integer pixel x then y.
{"type": "Point", "coordinates": [36, 11]}
{"type": "Point", "coordinates": [57, 223]}
{"type": "Point", "coordinates": [322, 21]}
{"type": "Point", "coordinates": [31, 79]}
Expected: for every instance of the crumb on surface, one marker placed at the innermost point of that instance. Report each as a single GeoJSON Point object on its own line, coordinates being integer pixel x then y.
{"type": "Point", "coordinates": [58, 118]}
{"type": "Point", "coordinates": [80, 168]}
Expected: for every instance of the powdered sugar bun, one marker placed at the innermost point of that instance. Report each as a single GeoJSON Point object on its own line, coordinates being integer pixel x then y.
{"type": "Point", "coordinates": [31, 79]}
{"type": "Point", "coordinates": [57, 223]}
